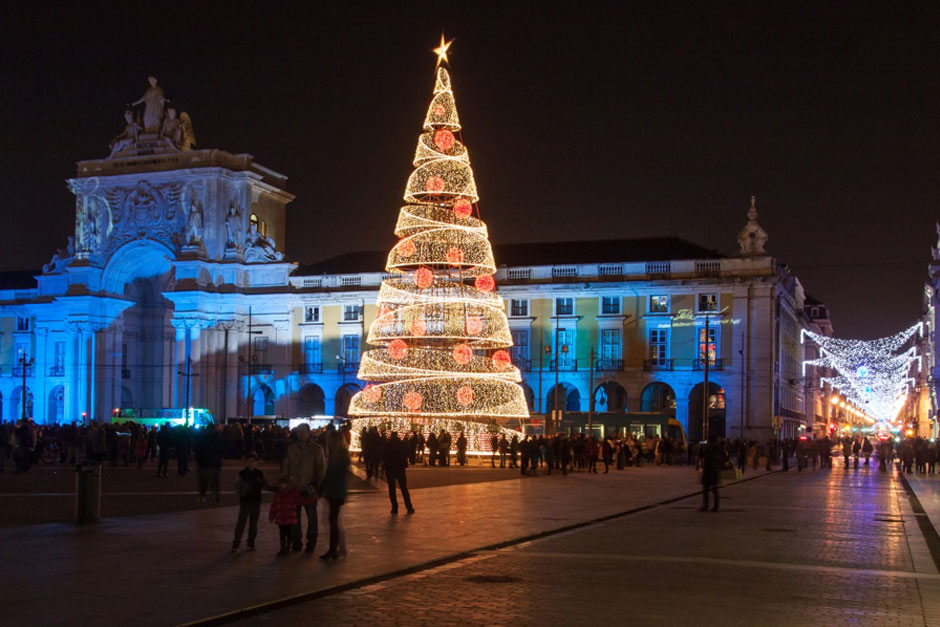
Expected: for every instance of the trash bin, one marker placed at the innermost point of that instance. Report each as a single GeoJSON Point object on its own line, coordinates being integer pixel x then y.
{"type": "Point", "coordinates": [87, 492]}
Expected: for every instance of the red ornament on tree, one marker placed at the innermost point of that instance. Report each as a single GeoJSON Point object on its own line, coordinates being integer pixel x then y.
{"type": "Point", "coordinates": [465, 395]}
{"type": "Point", "coordinates": [455, 256]}
{"type": "Point", "coordinates": [463, 354]}
{"type": "Point", "coordinates": [462, 208]}
{"type": "Point", "coordinates": [502, 360]}
{"type": "Point", "coordinates": [474, 325]}
{"type": "Point", "coordinates": [423, 277]}
{"type": "Point", "coordinates": [439, 110]}
{"type": "Point", "coordinates": [397, 349]}
{"type": "Point", "coordinates": [444, 140]}
{"type": "Point", "coordinates": [406, 248]}
{"type": "Point", "coordinates": [372, 394]}
{"type": "Point", "coordinates": [485, 283]}
{"type": "Point", "coordinates": [434, 184]}
{"type": "Point", "coordinates": [419, 326]}
{"type": "Point", "coordinates": [412, 400]}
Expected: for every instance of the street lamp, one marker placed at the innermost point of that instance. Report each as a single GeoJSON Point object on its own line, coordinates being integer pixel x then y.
{"type": "Point", "coordinates": [25, 365]}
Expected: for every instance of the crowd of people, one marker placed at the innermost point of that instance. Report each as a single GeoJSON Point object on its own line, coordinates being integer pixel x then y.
{"type": "Point", "coordinates": [313, 465]}
{"type": "Point", "coordinates": [530, 454]}
{"type": "Point", "coordinates": [128, 443]}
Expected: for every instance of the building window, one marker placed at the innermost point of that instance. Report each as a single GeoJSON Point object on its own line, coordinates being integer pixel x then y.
{"type": "Point", "coordinates": [520, 348]}
{"type": "Point", "coordinates": [708, 302]}
{"type": "Point", "coordinates": [350, 349]}
{"type": "Point", "coordinates": [610, 305]}
{"type": "Point", "coordinates": [22, 352]}
{"type": "Point", "coordinates": [518, 307]}
{"type": "Point", "coordinates": [351, 313]}
{"type": "Point", "coordinates": [311, 350]}
{"type": "Point", "coordinates": [659, 304]}
{"type": "Point", "coordinates": [261, 350]}
{"type": "Point", "coordinates": [707, 346]}
{"type": "Point", "coordinates": [312, 314]}
{"type": "Point", "coordinates": [564, 346]}
{"type": "Point", "coordinates": [59, 356]}
{"type": "Point", "coordinates": [564, 306]}
{"type": "Point", "coordinates": [610, 345]}
{"type": "Point", "coordinates": [22, 323]}
{"type": "Point", "coordinates": [659, 346]}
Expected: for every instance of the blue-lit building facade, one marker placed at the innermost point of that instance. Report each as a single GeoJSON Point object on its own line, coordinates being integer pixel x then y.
{"type": "Point", "coordinates": [173, 288]}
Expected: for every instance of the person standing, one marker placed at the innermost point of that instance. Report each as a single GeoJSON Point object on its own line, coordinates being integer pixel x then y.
{"type": "Point", "coordinates": [248, 487]}
{"type": "Point", "coordinates": [395, 459]}
{"type": "Point", "coordinates": [209, 461]}
{"type": "Point", "coordinates": [503, 451]}
{"type": "Point", "coordinates": [714, 459]}
{"type": "Point", "coordinates": [335, 491]}
{"type": "Point", "coordinates": [461, 449]}
{"type": "Point", "coordinates": [513, 451]}
{"type": "Point", "coordinates": [494, 448]}
{"type": "Point", "coordinates": [304, 469]}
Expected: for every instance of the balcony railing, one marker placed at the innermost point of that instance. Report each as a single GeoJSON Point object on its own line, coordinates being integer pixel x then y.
{"type": "Point", "coordinates": [56, 371]}
{"type": "Point", "coordinates": [310, 368]}
{"type": "Point", "coordinates": [651, 365]}
{"type": "Point", "coordinates": [261, 369]}
{"type": "Point", "coordinates": [609, 365]}
{"type": "Point", "coordinates": [713, 364]}
{"type": "Point", "coordinates": [18, 370]}
{"type": "Point", "coordinates": [564, 364]}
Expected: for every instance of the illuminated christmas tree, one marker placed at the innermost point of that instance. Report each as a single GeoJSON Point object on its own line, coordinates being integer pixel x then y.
{"type": "Point", "coordinates": [441, 336]}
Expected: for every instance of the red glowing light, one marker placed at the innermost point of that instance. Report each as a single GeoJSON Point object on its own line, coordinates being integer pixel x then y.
{"type": "Point", "coordinates": [371, 393]}
{"type": "Point", "coordinates": [455, 256]}
{"type": "Point", "coordinates": [465, 395]}
{"type": "Point", "coordinates": [412, 401]}
{"type": "Point", "coordinates": [397, 349]}
{"type": "Point", "coordinates": [462, 208]}
{"type": "Point", "coordinates": [434, 184]}
{"type": "Point", "coordinates": [463, 353]}
{"type": "Point", "coordinates": [419, 326]}
{"type": "Point", "coordinates": [423, 278]}
{"type": "Point", "coordinates": [439, 110]}
{"type": "Point", "coordinates": [406, 248]}
{"type": "Point", "coordinates": [474, 325]}
{"type": "Point", "coordinates": [444, 139]}
{"type": "Point", "coordinates": [485, 283]}
{"type": "Point", "coordinates": [502, 360]}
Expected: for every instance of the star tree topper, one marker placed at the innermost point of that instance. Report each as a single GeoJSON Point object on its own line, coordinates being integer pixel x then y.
{"type": "Point", "coordinates": [441, 51]}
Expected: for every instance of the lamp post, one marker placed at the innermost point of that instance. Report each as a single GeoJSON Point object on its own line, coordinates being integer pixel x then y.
{"type": "Point", "coordinates": [25, 365]}
{"type": "Point", "coordinates": [189, 378]}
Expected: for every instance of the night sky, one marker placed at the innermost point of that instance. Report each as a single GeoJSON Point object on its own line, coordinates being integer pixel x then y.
{"type": "Point", "coordinates": [583, 121]}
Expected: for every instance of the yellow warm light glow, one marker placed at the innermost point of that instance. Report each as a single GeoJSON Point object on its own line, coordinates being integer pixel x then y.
{"type": "Point", "coordinates": [441, 51]}
{"type": "Point", "coordinates": [441, 337]}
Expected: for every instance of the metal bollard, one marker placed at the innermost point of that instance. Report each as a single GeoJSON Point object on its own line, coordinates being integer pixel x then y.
{"type": "Point", "coordinates": [87, 492]}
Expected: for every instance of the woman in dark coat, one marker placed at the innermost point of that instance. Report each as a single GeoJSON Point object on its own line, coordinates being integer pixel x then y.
{"type": "Point", "coordinates": [335, 491]}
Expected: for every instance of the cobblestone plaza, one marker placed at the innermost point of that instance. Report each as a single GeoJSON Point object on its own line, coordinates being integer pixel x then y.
{"type": "Point", "coordinates": [819, 547]}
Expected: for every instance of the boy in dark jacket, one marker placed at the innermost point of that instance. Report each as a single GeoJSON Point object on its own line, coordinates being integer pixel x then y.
{"type": "Point", "coordinates": [248, 486]}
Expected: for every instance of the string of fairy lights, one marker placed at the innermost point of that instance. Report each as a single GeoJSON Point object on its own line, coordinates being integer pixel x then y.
{"type": "Point", "coordinates": [874, 376]}
{"type": "Point", "coordinates": [441, 337]}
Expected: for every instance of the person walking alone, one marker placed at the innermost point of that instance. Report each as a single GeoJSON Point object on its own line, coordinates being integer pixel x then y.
{"type": "Point", "coordinates": [395, 459]}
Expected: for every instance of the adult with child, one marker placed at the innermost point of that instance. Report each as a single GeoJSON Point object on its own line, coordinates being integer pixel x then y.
{"type": "Point", "coordinates": [304, 469]}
